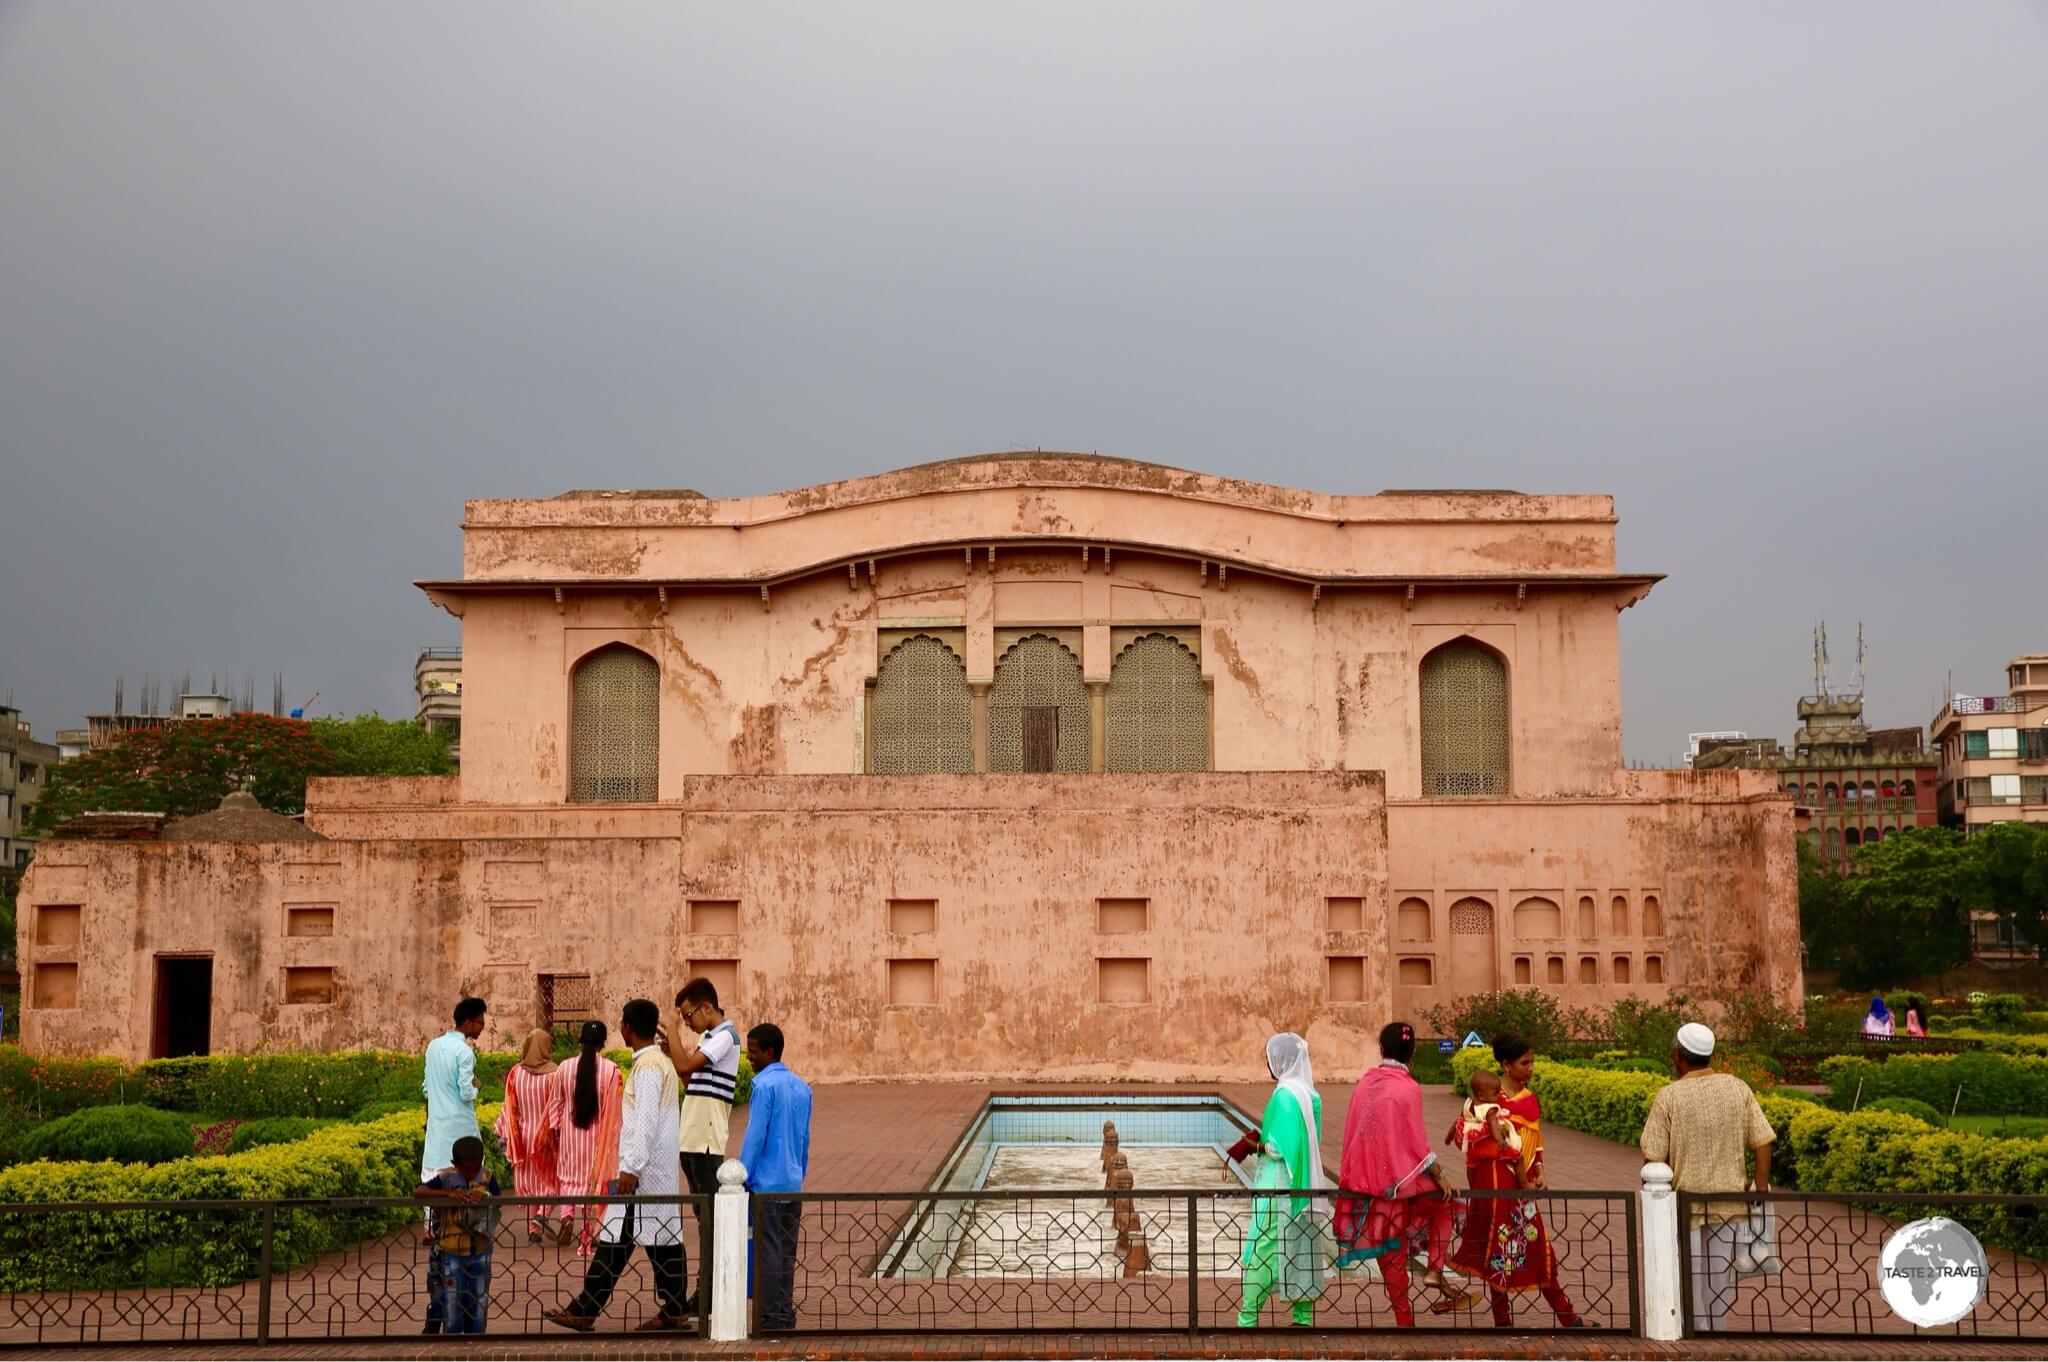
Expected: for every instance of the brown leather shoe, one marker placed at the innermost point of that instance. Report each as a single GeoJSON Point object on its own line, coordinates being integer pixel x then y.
{"type": "Point", "coordinates": [582, 1324]}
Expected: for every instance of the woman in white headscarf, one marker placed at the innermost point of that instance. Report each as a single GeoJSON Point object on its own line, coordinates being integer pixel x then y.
{"type": "Point", "coordinates": [1285, 1244]}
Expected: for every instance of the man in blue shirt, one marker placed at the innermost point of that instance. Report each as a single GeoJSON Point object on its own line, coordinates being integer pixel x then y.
{"type": "Point", "coordinates": [776, 1152]}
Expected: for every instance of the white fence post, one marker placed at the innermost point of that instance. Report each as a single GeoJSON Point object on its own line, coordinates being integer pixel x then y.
{"type": "Point", "coordinates": [1661, 1296]}
{"type": "Point", "coordinates": [729, 1254]}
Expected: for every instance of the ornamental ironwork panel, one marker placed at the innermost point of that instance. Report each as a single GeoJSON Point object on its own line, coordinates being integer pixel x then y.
{"type": "Point", "coordinates": [1464, 722]}
{"type": "Point", "coordinates": [1156, 709]}
{"type": "Point", "coordinates": [1037, 671]}
{"type": "Point", "coordinates": [920, 713]}
{"type": "Point", "coordinates": [615, 728]}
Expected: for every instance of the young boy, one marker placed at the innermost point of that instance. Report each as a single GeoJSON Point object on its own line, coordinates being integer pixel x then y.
{"type": "Point", "coordinates": [459, 1240]}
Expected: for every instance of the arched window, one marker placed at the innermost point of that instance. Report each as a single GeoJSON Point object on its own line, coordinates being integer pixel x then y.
{"type": "Point", "coordinates": [1812, 795]}
{"type": "Point", "coordinates": [1038, 709]}
{"type": "Point", "coordinates": [1792, 788]}
{"type": "Point", "coordinates": [1156, 709]}
{"type": "Point", "coordinates": [1834, 843]}
{"type": "Point", "coordinates": [1464, 690]}
{"type": "Point", "coordinates": [615, 728]}
{"type": "Point", "coordinates": [1538, 919]}
{"type": "Point", "coordinates": [1869, 792]}
{"type": "Point", "coordinates": [1828, 795]}
{"type": "Point", "coordinates": [1891, 789]}
{"type": "Point", "coordinates": [1905, 789]}
{"type": "Point", "coordinates": [1872, 835]}
{"type": "Point", "coordinates": [1849, 792]}
{"type": "Point", "coordinates": [1588, 926]}
{"type": "Point", "coordinates": [1852, 839]}
{"type": "Point", "coordinates": [1653, 916]}
{"type": "Point", "coordinates": [920, 715]}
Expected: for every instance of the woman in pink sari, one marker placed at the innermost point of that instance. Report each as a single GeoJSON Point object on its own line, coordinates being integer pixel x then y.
{"type": "Point", "coordinates": [1400, 1206]}
{"type": "Point", "coordinates": [588, 1091]}
{"type": "Point", "coordinates": [526, 1128]}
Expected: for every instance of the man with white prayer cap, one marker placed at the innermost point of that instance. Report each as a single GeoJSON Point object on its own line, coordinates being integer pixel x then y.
{"type": "Point", "coordinates": [1702, 1126]}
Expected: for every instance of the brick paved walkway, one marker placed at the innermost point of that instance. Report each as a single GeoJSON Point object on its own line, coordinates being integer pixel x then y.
{"type": "Point", "coordinates": [878, 1138]}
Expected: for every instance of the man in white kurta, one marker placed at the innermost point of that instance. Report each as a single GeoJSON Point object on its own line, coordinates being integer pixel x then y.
{"type": "Point", "coordinates": [648, 1130]}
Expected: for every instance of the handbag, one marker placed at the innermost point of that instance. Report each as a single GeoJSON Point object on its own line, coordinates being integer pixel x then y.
{"type": "Point", "coordinates": [1755, 1242]}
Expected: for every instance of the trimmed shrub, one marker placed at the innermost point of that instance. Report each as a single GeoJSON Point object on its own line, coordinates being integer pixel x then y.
{"type": "Point", "coordinates": [111, 1250]}
{"type": "Point", "coordinates": [273, 1130]}
{"type": "Point", "coordinates": [2006, 1042]}
{"type": "Point", "coordinates": [1906, 1106]}
{"type": "Point", "coordinates": [1992, 1084]}
{"type": "Point", "coordinates": [310, 1084]}
{"type": "Point", "coordinates": [130, 1134]}
{"type": "Point", "coordinates": [2003, 1009]}
{"type": "Point", "coordinates": [1531, 1012]}
{"type": "Point", "coordinates": [44, 1086]}
{"type": "Point", "coordinates": [377, 1111]}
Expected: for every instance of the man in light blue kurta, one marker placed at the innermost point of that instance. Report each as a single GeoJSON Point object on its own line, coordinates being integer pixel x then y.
{"type": "Point", "coordinates": [450, 1087]}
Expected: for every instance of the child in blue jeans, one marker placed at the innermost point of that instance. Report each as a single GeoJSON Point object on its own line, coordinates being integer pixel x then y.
{"type": "Point", "coordinates": [460, 1227]}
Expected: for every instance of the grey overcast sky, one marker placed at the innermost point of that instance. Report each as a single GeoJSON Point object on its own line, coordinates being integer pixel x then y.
{"type": "Point", "coordinates": [281, 284]}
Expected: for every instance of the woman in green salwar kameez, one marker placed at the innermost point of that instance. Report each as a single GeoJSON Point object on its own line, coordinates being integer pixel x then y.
{"type": "Point", "coordinates": [1287, 1241]}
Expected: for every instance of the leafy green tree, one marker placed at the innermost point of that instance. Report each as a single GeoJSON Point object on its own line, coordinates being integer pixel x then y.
{"type": "Point", "coordinates": [369, 745]}
{"type": "Point", "coordinates": [2010, 865]}
{"type": "Point", "coordinates": [188, 768]}
{"type": "Point", "coordinates": [1902, 909]}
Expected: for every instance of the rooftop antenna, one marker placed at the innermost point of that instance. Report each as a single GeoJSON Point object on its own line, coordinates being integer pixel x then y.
{"type": "Point", "coordinates": [120, 682]}
{"type": "Point", "coordinates": [277, 695]}
{"type": "Point", "coordinates": [1860, 658]}
{"type": "Point", "coordinates": [185, 684]}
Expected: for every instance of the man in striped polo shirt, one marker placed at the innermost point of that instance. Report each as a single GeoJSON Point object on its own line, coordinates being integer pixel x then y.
{"type": "Point", "coordinates": [710, 1066]}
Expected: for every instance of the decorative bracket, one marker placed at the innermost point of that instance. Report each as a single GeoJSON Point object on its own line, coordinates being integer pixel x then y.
{"type": "Point", "coordinates": [1105, 557]}
{"type": "Point", "coordinates": [1205, 572]}
{"type": "Point", "coordinates": [764, 595]}
{"type": "Point", "coordinates": [969, 551]}
{"type": "Point", "coordinates": [1521, 594]}
{"type": "Point", "coordinates": [1409, 602]}
{"type": "Point", "coordinates": [853, 577]}
{"type": "Point", "coordinates": [871, 572]}
{"type": "Point", "coordinates": [558, 600]}
{"type": "Point", "coordinates": [1084, 557]}
{"type": "Point", "coordinates": [991, 557]}
{"type": "Point", "coordinates": [1222, 576]}
{"type": "Point", "coordinates": [1315, 595]}
{"type": "Point", "coordinates": [661, 594]}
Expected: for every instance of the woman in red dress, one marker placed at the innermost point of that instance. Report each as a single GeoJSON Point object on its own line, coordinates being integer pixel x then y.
{"type": "Point", "coordinates": [1505, 1244]}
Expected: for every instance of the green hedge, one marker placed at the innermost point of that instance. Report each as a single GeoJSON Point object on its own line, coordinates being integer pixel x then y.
{"type": "Point", "coordinates": [2004, 1042]}
{"type": "Point", "coordinates": [132, 1134]}
{"type": "Point", "coordinates": [273, 1130]}
{"type": "Point", "coordinates": [1905, 1106]}
{"type": "Point", "coordinates": [1992, 1084]}
{"type": "Point", "coordinates": [106, 1250]}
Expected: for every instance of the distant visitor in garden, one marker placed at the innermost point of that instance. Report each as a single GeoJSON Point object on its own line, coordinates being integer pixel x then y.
{"type": "Point", "coordinates": [1283, 1247]}
{"type": "Point", "coordinates": [647, 1167]}
{"type": "Point", "coordinates": [1916, 1025]}
{"type": "Point", "coordinates": [526, 1132]}
{"type": "Point", "coordinates": [777, 1154]}
{"type": "Point", "coordinates": [1879, 1022]}
{"type": "Point", "coordinates": [589, 1093]}
{"type": "Point", "coordinates": [1505, 1243]}
{"type": "Point", "coordinates": [1387, 1154]}
{"type": "Point", "coordinates": [460, 1225]}
{"type": "Point", "coordinates": [1701, 1125]}
{"type": "Point", "coordinates": [705, 1048]}
{"type": "Point", "coordinates": [451, 1092]}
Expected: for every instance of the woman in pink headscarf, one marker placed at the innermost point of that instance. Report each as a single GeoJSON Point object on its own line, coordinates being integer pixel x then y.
{"type": "Point", "coordinates": [1400, 1205]}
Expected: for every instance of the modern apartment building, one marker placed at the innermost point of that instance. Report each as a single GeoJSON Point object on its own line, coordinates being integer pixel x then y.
{"type": "Point", "coordinates": [24, 765]}
{"type": "Point", "coordinates": [1993, 751]}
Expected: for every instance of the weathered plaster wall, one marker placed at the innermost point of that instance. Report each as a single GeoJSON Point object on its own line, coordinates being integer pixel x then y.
{"type": "Point", "coordinates": [1236, 871]}
{"type": "Point", "coordinates": [1300, 682]}
{"type": "Point", "coordinates": [1716, 855]}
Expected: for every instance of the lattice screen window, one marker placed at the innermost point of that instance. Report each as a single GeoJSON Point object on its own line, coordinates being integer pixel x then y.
{"type": "Point", "coordinates": [1471, 917]}
{"type": "Point", "coordinates": [1038, 709]}
{"type": "Point", "coordinates": [615, 728]}
{"type": "Point", "coordinates": [1464, 722]}
{"type": "Point", "coordinates": [1157, 709]}
{"type": "Point", "coordinates": [919, 713]}
{"type": "Point", "coordinates": [567, 998]}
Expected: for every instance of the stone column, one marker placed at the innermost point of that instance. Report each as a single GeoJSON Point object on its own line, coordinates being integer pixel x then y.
{"type": "Point", "coordinates": [729, 1248]}
{"type": "Point", "coordinates": [1097, 753]}
{"type": "Point", "coordinates": [1661, 1295]}
{"type": "Point", "coordinates": [978, 690]}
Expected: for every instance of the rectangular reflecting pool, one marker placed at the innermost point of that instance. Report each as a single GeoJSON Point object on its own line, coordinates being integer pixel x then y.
{"type": "Point", "coordinates": [1024, 1150]}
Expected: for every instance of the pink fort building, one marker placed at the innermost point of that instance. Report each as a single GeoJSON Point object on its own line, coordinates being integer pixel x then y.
{"type": "Point", "coordinates": [1042, 765]}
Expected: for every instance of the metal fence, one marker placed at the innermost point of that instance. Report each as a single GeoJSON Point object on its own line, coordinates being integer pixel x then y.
{"type": "Point", "coordinates": [1151, 1260]}
{"type": "Point", "coordinates": [274, 1270]}
{"type": "Point", "coordinates": [1831, 1249]}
